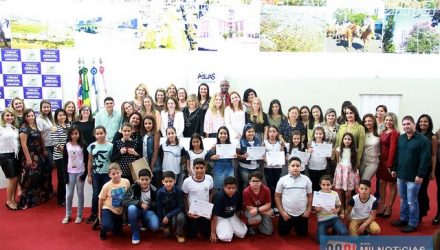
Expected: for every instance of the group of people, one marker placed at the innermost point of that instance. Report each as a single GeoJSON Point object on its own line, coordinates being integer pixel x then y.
{"type": "Point", "coordinates": [100, 149]}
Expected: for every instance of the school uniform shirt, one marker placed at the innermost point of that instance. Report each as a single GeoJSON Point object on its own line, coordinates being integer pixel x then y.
{"type": "Point", "coordinates": [362, 210]}
{"type": "Point", "coordinates": [294, 190]}
{"type": "Point", "coordinates": [325, 215]}
{"type": "Point", "coordinates": [192, 156]}
{"type": "Point", "coordinates": [197, 190]}
{"type": "Point", "coordinates": [171, 157]}
{"type": "Point", "coordinates": [256, 200]}
{"type": "Point", "coordinates": [225, 206]}
{"type": "Point", "coordinates": [101, 156]}
{"type": "Point", "coordinates": [315, 162]}
{"type": "Point", "coordinates": [112, 194]}
{"type": "Point", "coordinates": [275, 147]}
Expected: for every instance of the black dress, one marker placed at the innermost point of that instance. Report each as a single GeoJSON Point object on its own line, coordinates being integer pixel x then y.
{"type": "Point", "coordinates": [192, 121]}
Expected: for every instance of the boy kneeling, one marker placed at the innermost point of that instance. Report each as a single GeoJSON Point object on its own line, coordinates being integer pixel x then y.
{"type": "Point", "coordinates": [225, 223]}
{"type": "Point", "coordinates": [140, 200]}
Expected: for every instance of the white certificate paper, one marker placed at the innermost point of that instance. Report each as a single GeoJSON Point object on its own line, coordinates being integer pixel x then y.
{"type": "Point", "coordinates": [324, 200]}
{"type": "Point", "coordinates": [275, 158]}
{"type": "Point", "coordinates": [303, 156]}
{"type": "Point", "coordinates": [322, 150]}
{"type": "Point", "coordinates": [201, 208]}
{"type": "Point", "coordinates": [225, 151]}
{"type": "Point", "coordinates": [255, 153]}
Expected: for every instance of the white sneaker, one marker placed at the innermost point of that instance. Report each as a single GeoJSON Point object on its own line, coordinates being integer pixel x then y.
{"type": "Point", "coordinates": [143, 229]}
{"type": "Point", "coordinates": [66, 220]}
{"type": "Point", "coordinates": [78, 220]}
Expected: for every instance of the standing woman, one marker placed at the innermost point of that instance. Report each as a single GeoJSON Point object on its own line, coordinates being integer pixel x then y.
{"type": "Point", "coordinates": [388, 148]}
{"type": "Point", "coordinates": [159, 98]}
{"type": "Point", "coordinates": [33, 190]}
{"type": "Point", "coordinates": [436, 219]}
{"type": "Point", "coordinates": [291, 124]}
{"type": "Point", "coordinates": [304, 112]}
{"type": "Point", "coordinates": [381, 112]}
{"type": "Point", "coordinates": [181, 97]}
{"type": "Point", "coordinates": [248, 96]}
{"type": "Point", "coordinates": [44, 124]}
{"type": "Point", "coordinates": [425, 127]}
{"type": "Point", "coordinates": [341, 119]}
{"type": "Point", "coordinates": [126, 111]}
{"type": "Point", "coordinates": [203, 96]}
{"type": "Point", "coordinates": [370, 158]}
{"type": "Point", "coordinates": [330, 126]}
{"type": "Point", "coordinates": [315, 118]}
{"type": "Point", "coordinates": [85, 124]}
{"type": "Point", "coordinates": [214, 117]}
{"type": "Point", "coordinates": [58, 134]}
{"type": "Point", "coordinates": [9, 147]}
{"type": "Point", "coordinates": [70, 110]}
{"type": "Point", "coordinates": [18, 106]}
{"type": "Point", "coordinates": [353, 125]}
{"type": "Point", "coordinates": [235, 116]}
{"type": "Point", "coordinates": [171, 91]}
{"type": "Point", "coordinates": [258, 119]}
{"type": "Point", "coordinates": [192, 115]}
{"type": "Point", "coordinates": [172, 117]}
{"type": "Point", "coordinates": [135, 120]}
{"type": "Point", "coordinates": [139, 93]}
{"type": "Point", "coordinates": [275, 114]}
{"type": "Point", "coordinates": [148, 108]}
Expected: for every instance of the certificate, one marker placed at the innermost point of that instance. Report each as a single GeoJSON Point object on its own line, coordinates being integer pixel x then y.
{"type": "Point", "coordinates": [322, 150]}
{"type": "Point", "coordinates": [275, 158]}
{"type": "Point", "coordinates": [225, 151]}
{"type": "Point", "coordinates": [324, 200]}
{"type": "Point", "coordinates": [201, 208]}
{"type": "Point", "coordinates": [303, 156]}
{"type": "Point", "coordinates": [255, 153]}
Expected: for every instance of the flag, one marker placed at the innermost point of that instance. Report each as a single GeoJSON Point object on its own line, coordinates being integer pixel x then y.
{"type": "Point", "coordinates": [79, 94]}
{"type": "Point", "coordinates": [85, 87]}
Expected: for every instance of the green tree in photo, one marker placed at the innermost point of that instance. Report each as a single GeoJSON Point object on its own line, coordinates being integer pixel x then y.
{"type": "Point", "coordinates": [422, 39]}
{"type": "Point", "coordinates": [388, 44]}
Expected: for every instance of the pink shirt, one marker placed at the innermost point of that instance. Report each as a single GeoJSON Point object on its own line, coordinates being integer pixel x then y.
{"type": "Point", "coordinates": [213, 122]}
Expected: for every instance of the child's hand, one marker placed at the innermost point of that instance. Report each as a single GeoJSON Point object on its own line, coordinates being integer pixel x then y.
{"type": "Point", "coordinates": [246, 155]}
{"type": "Point", "coordinates": [165, 220]}
{"type": "Point", "coordinates": [306, 214]}
{"type": "Point", "coordinates": [318, 209]}
{"type": "Point", "coordinates": [144, 206]}
{"type": "Point", "coordinates": [310, 150]}
{"type": "Point", "coordinates": [215, 157]}
{"type": "Point", "coordinates": [285, 216]}
{"type": "Point", "coordinates": [132, 151]}
{"type": "Point", "coordinates": [213, 238]}
{"type": "Point", "coordinates": [361, 229]}
{"type": "Point", "coordinates": [123, 150]}
{"type": "Point", "coordinates": [253, 211]}
{"type": "Point", "coordinates": [191, 215]}
{"type": "Point", "coordinates": [89, 179]}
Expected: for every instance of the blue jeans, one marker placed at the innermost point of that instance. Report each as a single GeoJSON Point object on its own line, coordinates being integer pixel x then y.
{"type": "Point", "coordinates": [222, 169]}
{"type": "Point", "coordinates": [148, 218]}
{"type": "Point", "coordinates": [409, 203]}
{"type": "Point", "coordinates": [111, 221]}
{"type": "Point", "coordinates": [74, 180]}
{"type": "Point", "coordinates": [98, 180]}
{"type": "Point", "coordinates": [334, 223]}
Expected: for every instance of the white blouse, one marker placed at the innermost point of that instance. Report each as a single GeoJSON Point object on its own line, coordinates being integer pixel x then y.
{"type": "Point", "coordinates": [235, 122]}
{"type": "Point", "coordinates": [9, 139]}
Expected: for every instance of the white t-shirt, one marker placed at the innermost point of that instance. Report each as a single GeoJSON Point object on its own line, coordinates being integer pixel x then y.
{"type": "Point", "coordinates": [317, 163]}
{"type": "Point", "coordinates": [362, 210]}
{"type": "Point", "coordinates": [197, 190]}
{"type": "Point", "coordinates": [193, 156]}
{"type": "Point", "coordinates": [294, 192]}
{"type": "Point", "coordinates": [272, 148]}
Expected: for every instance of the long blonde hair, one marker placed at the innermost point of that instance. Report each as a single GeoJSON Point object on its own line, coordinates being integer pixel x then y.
{"type": "Point", "coordinates": [213, 108]}
{"type": "Point", "coordinates": [11, 111]}
{"type": "Point", "coordinates": [260, 117]}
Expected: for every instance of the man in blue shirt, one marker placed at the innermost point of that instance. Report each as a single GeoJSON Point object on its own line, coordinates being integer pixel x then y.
{"type": "Point", "coordinates": [109, 118]}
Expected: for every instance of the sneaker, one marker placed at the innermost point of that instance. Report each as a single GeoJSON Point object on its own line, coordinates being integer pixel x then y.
{"type": "Point", "coordinates": [78, 220]}
{"type": "Point", "coordinates": [103, 235]}
{"type": "Point", "coordinates": [66, 220]}
{"type": "Point", "coordinates": [399, 223]}
{"type": "Point", "coordinates": [135, 238]}
{"type": "Point", "coordinates": [180, 239]}
{"type": "Point", "coordinates": [251, 230]}
{"type": "Point", "coordinates": [91, 219]}
{"type": "Point", "coordinates": [408, 229]}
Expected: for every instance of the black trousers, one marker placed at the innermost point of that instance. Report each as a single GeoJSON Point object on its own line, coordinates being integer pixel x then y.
{"type": "Point", "coordinates": [423, 195]}
{"type": "Point", "coordinates": [301, 225]}
{"type": "Point", "coordinates": [61, 186]}
{"type": "Point", "coordinates": [201, 225]}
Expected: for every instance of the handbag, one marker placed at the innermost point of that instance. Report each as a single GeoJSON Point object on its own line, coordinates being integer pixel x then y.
{"type": "Point", "coordinates": [137, 165]}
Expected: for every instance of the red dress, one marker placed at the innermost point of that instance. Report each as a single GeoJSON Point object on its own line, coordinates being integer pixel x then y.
{"type": "Point", "coordinates": [388, 147]}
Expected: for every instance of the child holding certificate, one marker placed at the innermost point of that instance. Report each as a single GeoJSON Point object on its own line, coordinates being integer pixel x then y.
{"type": "Point", "coordinates": [248, 139]}
{"type": "Point", "coordinates": [225, 223]}
{"type": "Point", "coordinates": [172, 153]}
{"type": "Point", "coordinates": [197, 187]}
{"type": "Point", "coordinates": [318, 164]}
{"type": "Point", "coordinates": [328, 216]}
{"type": "Point", "coordinates": [295, 145]}
{"type": "Point", "coordinates": [170, 207]}
{"type": "Point", "coordinates": [361, 212]}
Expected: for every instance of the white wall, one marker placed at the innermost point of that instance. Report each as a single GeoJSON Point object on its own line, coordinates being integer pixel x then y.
{"type": "Point", "coordinates": [326, 79]}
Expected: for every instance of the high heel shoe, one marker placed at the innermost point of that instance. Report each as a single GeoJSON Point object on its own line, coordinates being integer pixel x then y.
{"type": "Point", "coordinates": [387, 215]}
{"type": "Point", "coordinates": [10, 208]}
{"type": "Point", "coordinates": [380, 214]}
{"type": "Point", "coordinates": [436, 220]}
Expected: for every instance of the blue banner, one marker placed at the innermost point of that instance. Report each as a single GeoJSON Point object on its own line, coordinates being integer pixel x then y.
{"type": "Point", "coordinates": [49, 55]}
{"type": "Point", "coordinates": [2, 95]}
{"type": "Point", "coordinates": [31, 67]}
{"type": "Point", "coordinates": [56, 104]}
{"type": "Point", "coordinates": [12, 80]}
{"type": "Point", "coordinates": [376, 243]}
{"type": "Point", "coordinates": [51, 80]}
{"type": "Point", "coordinates": [11, 55]}
{"type": "Point", "coordinates": [32, 93]}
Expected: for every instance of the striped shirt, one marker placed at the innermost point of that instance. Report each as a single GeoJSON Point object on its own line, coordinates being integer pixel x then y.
{"type": "Point", "coordinates": [59, 138]}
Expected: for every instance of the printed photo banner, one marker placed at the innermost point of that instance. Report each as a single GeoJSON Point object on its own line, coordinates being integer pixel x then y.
{"type": "Point", "coordinates": [32, 75]}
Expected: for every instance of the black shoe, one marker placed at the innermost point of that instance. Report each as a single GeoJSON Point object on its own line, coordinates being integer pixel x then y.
{"type": "Point", "coordinates": [103, 235]}
{"type": "Point", "coordinates": [399, 223]}
{"type": "Point", "coordinates": [408, 229]}
{"type": "Point", "coordinates": [92, 219]}
{"type": "Point", "coordinates": [436, 220]}
{"type": "Point", "coordinates": [62, 203]}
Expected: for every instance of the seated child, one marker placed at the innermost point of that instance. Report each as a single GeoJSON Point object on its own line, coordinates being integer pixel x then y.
{"type": "Point", "coordinates": [293, 197]}
{"type": "Point", "coordinates": [225, 223]}
{"type": "Point", "coordinates": [140, 200]}
{"type": "Point", "coordinates": [257, 202]}
{"type": "Point", "coordinates": [110, 198]}
{"type": "Point", "coordinates": [362, 209]}
{"type": "Point", "coordinates": [170, 206]}
{"type": "Point", "coordinates": [329, 218]}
